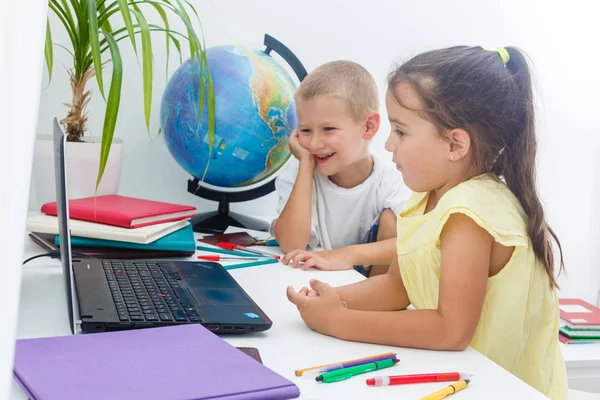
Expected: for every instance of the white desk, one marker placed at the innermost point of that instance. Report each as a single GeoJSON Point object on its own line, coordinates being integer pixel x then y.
{"type": "Point", "coordinates": [583, 366]}
{"type": "Point", "coordinates": [289, 344]}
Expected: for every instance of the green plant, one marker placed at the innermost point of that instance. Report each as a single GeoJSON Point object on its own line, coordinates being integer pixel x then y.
{"type": "Point", "coordinates": [88, 24]}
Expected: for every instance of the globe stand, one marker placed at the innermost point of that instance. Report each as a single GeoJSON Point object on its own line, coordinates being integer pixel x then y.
{"type": "Point", "coordinates": [218, 221]}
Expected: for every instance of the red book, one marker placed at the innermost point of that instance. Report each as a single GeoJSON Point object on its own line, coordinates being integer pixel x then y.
{"type": "Point", "coordinates": [577, 313]}
{"type": "Point", "coordinates": [127, 212]}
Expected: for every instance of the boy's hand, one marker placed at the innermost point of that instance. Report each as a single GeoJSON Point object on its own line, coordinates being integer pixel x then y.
{"type": "Point", "coordinates": [318, 311]}
{"type": "Point", "coordinates": [301, 153]}
{"type": "Point", "coordinates": [330, 260]}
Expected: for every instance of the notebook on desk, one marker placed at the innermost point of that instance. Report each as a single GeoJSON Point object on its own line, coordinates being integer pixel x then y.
{"type": "Point", "coordinates": [178, 362]}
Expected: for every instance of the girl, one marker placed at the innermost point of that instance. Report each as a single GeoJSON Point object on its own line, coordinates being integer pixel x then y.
{"type": "Point", "coordinates": [474, 249]}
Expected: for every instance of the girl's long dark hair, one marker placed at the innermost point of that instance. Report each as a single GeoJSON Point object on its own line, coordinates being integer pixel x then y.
{"type": "Point", "coordinates": [471, 88]}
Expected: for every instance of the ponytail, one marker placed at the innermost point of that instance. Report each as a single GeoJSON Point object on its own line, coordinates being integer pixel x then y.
{"type": "Point", "coordinates": [517, 161]}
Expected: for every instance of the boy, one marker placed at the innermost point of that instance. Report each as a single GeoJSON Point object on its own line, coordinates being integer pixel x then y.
{"type": "Point", "coordinates": [335, 194]}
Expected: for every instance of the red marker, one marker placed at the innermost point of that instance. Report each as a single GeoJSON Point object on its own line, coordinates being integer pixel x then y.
{"type": "Point", "coordinates": [221, 258]}
{"type": "Point", "coordinates": [233, 246]}
{"type": "Point", "coordinates": [420, 378]}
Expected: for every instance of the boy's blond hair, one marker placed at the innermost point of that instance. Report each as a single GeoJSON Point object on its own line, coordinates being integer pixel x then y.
{"type": "Point", "coordinates": [344, 79]}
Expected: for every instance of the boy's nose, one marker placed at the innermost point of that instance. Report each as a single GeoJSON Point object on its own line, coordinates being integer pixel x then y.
{"type": "Point", "coordinates": [316, 142]}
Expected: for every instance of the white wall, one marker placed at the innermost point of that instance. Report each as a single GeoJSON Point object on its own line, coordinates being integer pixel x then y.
{"type": "Point", "coordinates": [20, 76]}
{"type": "Point", "coordinates": [562, 42]}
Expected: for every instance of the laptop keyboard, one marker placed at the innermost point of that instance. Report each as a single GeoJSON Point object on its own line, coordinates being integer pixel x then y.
{"type": "Point", "coordinates": [148, 291]}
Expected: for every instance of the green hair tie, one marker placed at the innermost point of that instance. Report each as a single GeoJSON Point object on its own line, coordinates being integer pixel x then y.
{"type": "Point", "coordinates": [503, 54]}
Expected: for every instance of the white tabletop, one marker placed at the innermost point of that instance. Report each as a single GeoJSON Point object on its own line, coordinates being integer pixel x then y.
{"type": "Point", "coordinates": [289, 344]}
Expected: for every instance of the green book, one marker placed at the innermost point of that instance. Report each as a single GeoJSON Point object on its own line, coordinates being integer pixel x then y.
{"type": "Point", "coordinates": [180, 240]}
{"type": "Point", "coordinates": [580, 333]}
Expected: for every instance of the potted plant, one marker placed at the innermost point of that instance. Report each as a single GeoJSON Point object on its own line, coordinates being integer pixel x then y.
{"type": "Point", "coordinates": [94, 42]}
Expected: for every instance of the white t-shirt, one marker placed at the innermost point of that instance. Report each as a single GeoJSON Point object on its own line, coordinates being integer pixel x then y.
{"type": "Point", "coordinates": [341, 217]}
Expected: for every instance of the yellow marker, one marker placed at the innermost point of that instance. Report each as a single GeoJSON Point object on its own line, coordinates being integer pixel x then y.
{"type": "Point", "coordinates": [447, 391]}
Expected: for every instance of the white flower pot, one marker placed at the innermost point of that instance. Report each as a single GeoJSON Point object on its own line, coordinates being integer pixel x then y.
{"type": "Point", "coordinates": [83, 159]}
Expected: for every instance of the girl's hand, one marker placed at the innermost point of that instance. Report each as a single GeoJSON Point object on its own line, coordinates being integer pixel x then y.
{"type": "Point", "coordinates": [330, 260]}
{"type": "Point", "coordinates": [318, 311]}
{"type": "Point", "coordinates": [301, 153]}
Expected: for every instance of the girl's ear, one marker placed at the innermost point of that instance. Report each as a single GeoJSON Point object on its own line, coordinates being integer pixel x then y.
{"type": "Point", "coordinates": [371, 125]}
{"type": "Point", "coordinates": [460, 144]}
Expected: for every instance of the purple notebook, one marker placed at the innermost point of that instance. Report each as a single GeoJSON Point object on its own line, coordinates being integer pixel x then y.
{"type": "Point", "coordinates": [183, 362]}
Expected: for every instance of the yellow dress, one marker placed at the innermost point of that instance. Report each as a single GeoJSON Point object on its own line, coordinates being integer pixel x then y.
{"type": "Point", "coordinates": [518, 327]}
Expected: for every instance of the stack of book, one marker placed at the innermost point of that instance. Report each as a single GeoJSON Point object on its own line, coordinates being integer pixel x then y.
{"type": "Point", "coordinates": [115, 226]}
{"type": "Point", "coordinates": [580, 322]}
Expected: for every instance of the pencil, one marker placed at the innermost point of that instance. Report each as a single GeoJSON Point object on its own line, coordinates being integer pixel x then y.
{"type": "Point", "coordinates": [252, 264]}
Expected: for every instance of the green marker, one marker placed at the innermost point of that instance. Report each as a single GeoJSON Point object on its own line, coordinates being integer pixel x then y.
{"type": "Point", "coordinates": [252, 264]}
{"type": "Point", "coordinates": [346, 373]}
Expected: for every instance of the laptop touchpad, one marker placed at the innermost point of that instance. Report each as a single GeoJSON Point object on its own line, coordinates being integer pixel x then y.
{"type": "Point", "coordinates": [221, 297]}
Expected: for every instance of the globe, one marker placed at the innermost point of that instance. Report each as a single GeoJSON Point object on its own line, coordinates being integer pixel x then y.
{"type": "Point", "coordinates": [255, 115]}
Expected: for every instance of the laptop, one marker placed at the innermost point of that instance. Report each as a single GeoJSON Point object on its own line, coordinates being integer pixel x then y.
{"type": "Point", "coordinates": [111, 294]}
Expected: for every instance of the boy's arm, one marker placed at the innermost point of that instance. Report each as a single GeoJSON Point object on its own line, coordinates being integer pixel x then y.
{"type": "Point", "coordinates": [292, 228]}
{"type": "Point", "coordinates": [378, 253]}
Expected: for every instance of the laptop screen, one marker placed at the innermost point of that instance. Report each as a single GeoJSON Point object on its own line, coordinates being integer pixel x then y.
{"type": "Point", "coordinates": [60, 142]}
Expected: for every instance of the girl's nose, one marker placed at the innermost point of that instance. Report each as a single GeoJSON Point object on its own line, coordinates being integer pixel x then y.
{"type": "Point", "coordinates": [388, 144]}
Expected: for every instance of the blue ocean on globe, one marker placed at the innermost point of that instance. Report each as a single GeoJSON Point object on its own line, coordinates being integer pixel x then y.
{"type": "Point", "coordinates": [255, 115]}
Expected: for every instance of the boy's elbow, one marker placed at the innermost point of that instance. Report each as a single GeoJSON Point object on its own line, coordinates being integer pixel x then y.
{"type": "Point", "coordinates": [291, 245]}
{"type": "Point", "coordinates": [287, 244]}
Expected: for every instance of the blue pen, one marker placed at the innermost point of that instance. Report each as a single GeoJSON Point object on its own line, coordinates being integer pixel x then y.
{"type": "Point", "coordinates": [222, 251]}
{"type": "Point", "coordinates": [252, 264]}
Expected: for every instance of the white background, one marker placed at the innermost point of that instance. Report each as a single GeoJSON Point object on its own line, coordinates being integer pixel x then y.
{"type": "Point", "coordinates": [21, 48]}
{"type": "Point", "coordinates": [561, 40]}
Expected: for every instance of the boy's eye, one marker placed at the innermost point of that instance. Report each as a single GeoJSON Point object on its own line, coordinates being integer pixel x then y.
{"type": "Point", "coordinates": [399, 132]}
{"type": "Point", "coordinates": [305, 131]}
{"type": "Point", "coordinates": [329, 128]}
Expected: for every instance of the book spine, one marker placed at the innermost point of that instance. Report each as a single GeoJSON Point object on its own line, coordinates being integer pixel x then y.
{"type": "Point", "coordinates": [162, 221]}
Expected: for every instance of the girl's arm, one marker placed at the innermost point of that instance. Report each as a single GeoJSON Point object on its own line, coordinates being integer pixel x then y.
{"type": "Point", "coordinates": [466, 250]}
{"type": "Point", "coordinates": [381, 293]}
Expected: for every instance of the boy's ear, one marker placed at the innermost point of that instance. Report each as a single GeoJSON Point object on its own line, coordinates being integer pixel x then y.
{"type": "Point", "coordinates": [460, 143]}
{"type": "Point", "coordinates": [371, 125]}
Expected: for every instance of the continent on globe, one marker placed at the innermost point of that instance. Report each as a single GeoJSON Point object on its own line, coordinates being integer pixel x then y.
{"type": "Point", "coordinates": [255, 115]}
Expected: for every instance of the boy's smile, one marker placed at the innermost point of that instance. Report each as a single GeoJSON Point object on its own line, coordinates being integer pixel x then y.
{"type": "Point", "coordinates": [323, 158]}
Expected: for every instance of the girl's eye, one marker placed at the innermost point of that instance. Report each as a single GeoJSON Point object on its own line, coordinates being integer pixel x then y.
{"type": "Point", "coordinates": [305, 131]}
{"type": "Point", "coordinates": [399, 132]}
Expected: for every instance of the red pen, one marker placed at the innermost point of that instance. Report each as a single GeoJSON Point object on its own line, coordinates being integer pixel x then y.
{"type": "Point", "coordinates": [419, 378]}
{"type": "Point", "coordinates": [233, 246]}
{"type": "Point", "coordinates": [221, 258]}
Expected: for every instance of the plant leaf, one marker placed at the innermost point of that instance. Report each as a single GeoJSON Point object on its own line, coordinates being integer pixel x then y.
{"type": "Point", "coordinates": [123, 6]}
{"type": "Point", "coordinates": [211, 108]}
{"type": "Point", "coordinates": [163, 15]}
{"type": "Point", "coordinates": [60, 14]}
{"type": "Point", "coordinates": [105, 25]}
{"type": "Point", "coordinates": [112, 105]}
{"type": "Point", "coordinates": [95, 43]}
{"type": "Point", "coordinates": [48, 54]}
{"type": "Point", "coordinates": [146, 64]}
